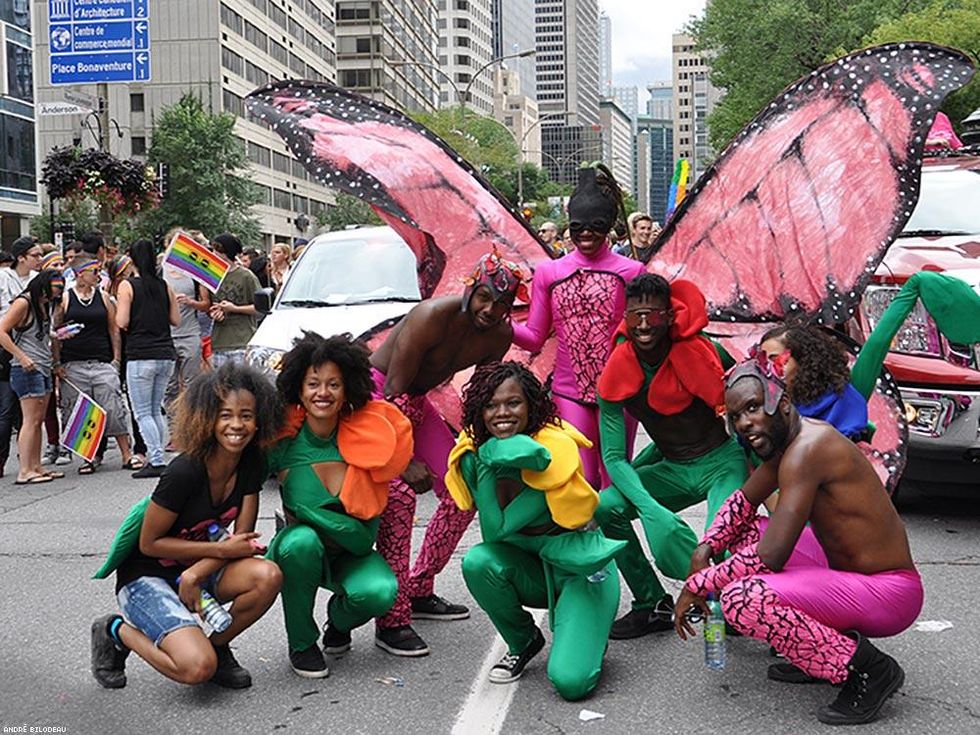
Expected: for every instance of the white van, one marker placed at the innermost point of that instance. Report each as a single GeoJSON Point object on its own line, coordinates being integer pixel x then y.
{"type": "Point", "coordinates": [348, 281]}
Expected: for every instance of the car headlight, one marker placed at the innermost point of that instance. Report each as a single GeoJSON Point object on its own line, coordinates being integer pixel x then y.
{"type": "Point", "coordinates": [265, 359]}
{"type": "Point", "coordinates": [918, 335]}
{"type": "Point", "coordinates": [930, 414]}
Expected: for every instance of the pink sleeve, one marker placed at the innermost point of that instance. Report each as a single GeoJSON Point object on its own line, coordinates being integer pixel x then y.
{"type": "Point", "coordinates": [734, 516]}
{"type": "Point", "coordinates": [746, 563]}
{"type": "Point", "coordinates": [532, 334]}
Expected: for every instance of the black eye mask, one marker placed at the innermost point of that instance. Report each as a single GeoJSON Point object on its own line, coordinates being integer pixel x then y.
{"type": "Point", "coordinates": [589, 207]}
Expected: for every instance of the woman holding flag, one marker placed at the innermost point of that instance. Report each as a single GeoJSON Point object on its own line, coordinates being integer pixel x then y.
{"type": "Point", "coordinates": [90, 357]}
{"type": "Point", "coordinates": [146, 309]}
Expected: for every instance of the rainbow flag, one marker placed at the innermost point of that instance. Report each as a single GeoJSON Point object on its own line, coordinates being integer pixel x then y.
{"type": "Point", "coordinates": [84, 429]}
{"type": "Point", "coordinates": [204, 266]}
{"type": "Point", "coordinates": [678, 186]}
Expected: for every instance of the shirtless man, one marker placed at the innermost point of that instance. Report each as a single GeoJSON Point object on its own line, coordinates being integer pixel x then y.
{"type": "Point", "coordinates": [437, 339]}
{"type": "Point", "coordinates": [668, 376]}
{"type": "Point", "coordinates": [800, 588]}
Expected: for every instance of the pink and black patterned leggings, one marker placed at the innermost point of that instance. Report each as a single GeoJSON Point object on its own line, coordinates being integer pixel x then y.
{"type": "Point", "coordinates": [433, 441]}
{"type": "Point", "coordinates": [802, 609]}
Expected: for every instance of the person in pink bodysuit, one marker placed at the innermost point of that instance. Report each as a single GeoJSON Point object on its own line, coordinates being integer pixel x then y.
{"type": "Point", "coordinates": [583, 296]}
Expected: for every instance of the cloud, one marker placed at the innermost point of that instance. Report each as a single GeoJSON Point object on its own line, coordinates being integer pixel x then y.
{"type": "Point", "coordinates": [641, 38]}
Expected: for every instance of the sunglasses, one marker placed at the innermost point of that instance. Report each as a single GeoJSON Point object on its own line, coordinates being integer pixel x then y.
{"type": "Point", "coordinates": [653, 317]}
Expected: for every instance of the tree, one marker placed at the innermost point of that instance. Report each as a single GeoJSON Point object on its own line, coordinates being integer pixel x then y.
{"type": "Point", "coordinates": [347, 210]}
{"type": "Point", "coordinates": [758, 47]}
{"type": "Point", "coordinates": [953, 23]}
{"type": "Point", "coordinates": [488, 146]}
{"type": "Point", "coordinates": [210, 186]}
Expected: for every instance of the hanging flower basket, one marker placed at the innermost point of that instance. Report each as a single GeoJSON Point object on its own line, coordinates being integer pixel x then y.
{"type": "Point", "coordinates": [127, 187]}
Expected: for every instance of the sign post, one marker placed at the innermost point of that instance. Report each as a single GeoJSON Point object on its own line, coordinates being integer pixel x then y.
{"type": "Point", "coordinates": [99, 41]}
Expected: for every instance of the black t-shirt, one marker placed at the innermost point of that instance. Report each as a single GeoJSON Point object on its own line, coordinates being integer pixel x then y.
{"type": "Point", "coordinates": [185, 490]}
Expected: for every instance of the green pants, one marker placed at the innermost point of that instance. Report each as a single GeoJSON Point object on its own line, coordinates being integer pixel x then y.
{"type": "Point", "coordinates": [364, 587]}
{"type": "Point", "coordinates": [503, 578]}
{"type": "Point", "coordinates": [673, 486]}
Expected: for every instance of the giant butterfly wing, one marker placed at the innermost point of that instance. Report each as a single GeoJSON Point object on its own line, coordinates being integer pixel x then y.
{"type": "Point", "coordinates": [441, 206]}
{"type": "Point", "coordinates": [796, 213]}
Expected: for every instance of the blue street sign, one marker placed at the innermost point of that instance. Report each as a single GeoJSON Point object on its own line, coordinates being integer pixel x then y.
{"type": "Point", "coordinates": [99, 41]}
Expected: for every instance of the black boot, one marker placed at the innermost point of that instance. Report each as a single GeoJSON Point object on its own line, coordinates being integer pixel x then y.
{"type": "Point", "coordinates": [873, 677]}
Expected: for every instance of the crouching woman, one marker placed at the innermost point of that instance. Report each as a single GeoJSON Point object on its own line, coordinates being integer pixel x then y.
{"type": "Point", "coordinates": [175, 544]}
{"type": "Point", "coordinates": [337, 452]}
{"type": "Point", "coordinates": [519, 465]}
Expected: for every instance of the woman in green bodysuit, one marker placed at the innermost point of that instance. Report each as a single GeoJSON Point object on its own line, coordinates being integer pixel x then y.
{"type": "Point", "coordinates": [519, 465]}
{"type": "Point", "coordinates": [334, 459]}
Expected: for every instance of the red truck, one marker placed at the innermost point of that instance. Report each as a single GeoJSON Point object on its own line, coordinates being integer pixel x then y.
{"type": "Point", "coordinates": [939, 381]}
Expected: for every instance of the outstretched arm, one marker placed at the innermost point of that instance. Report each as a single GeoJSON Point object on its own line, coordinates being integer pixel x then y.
{"type": "Point", "coordinates": [532, 334]}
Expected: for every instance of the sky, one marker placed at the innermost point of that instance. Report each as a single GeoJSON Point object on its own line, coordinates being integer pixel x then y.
{"type": "Point", "coordinates": [641, 33]}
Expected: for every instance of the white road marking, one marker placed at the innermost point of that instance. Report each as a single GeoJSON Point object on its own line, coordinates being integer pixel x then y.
{"type": "Point", "coordinates": [486, 706]}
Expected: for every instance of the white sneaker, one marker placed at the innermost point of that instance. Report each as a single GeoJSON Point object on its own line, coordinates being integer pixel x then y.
{"type": "Point", "coordinates": [50, 455]}
{"type": "Point", "coordinates": [64, 457]}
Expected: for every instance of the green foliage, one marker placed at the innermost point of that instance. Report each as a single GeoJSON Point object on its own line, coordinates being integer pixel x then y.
{"type": "Point", "coordinates": [348, 210]}
{"type": "Point", "coordinates": [82, 213]}
{"type": "Point", "coordinates": [758, 47]}
{"type": "Point", "coordinates": [210, 189]}
{"type": "Point", "coordinates": [488, 146]}
{"type": "Point", "coordinates": [953, 23]}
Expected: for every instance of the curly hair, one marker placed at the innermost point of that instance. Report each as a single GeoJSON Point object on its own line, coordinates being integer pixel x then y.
{"type": "Point", "coordinates": [200, 403]}
{"type": "Point", "coordinates": [311, 350]}
{"type": "Point", "coordinates": [479, 391]}
{"type": "Point", "coordinates": [648, 286]}
{"type": "Point", "coordinates": [822, 362]}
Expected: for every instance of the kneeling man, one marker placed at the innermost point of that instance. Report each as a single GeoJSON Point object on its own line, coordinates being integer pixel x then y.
{"type": "Point", "coordinates": [813, 592]}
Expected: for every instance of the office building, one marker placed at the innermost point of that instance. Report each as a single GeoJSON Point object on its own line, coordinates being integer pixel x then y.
{"type": "Point", "coordinates": [694, 99]}
{"type": "Point", "coordinates": [465, 49]}
{"type": "Point", "coordinates": [654, 165]}
{"type": "Point", "coordinates": [220, 51]}
{"type": "Point", "coordinates": [660, 104]}
{"type": "Point", "coordinates": [567, 61]}
{"type": "Point", "coordinates": [617, 142]}
{"type": "Point", "coordinates": [512, 29]}
{"type": "Point", "coordinates": [605, 56]}
{"type": "Point", "coordinates": [518, 113]}
{"type": "Point", "coordinates": [19, 160]}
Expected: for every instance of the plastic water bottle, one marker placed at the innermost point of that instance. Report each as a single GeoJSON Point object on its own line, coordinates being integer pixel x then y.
{"type": "Point", "coordinates": [598, 577]}
{"type": "Point", "coordinates": [67, 331]}
{"type": "Point", "coordinates": [217, 532]}
{"type": "Point", "coordinates": [212, 613]}
{"type": "Point", "coordinates": [714, 635]}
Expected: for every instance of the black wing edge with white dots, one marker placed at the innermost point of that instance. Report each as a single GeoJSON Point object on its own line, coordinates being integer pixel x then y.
{"type": "Point", "coordinates": [796, 213]}
{"type": "Point", "coordinates": [441, 206]}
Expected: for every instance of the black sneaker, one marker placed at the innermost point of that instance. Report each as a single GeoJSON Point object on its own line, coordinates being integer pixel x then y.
{"type": "Point", "coordinates": [309, 663]}
{"type": "Point", "coordinates": [401, 641]}
{"type": "Point", "coordinates": [335, 641]}
{"type": "Point", "coordinates": [433, 607]}
{"type": "Point", "coordinates": [873, 677]}
{"type": "Point", "coordinates": [229, 673]}
{"type": "Point", "coordinates": [149, 471]}
{"type": "Point", "coordinates": [108, 659]}
{"type": "Point", "coordinates": [511, 666]}
{"type": "Point", "coordinates": [790, 674]}
{"type": "Point", "coordinates": [638, 623]}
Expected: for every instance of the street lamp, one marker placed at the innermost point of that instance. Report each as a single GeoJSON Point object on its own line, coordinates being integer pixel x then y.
{"type": "Point", "coordinates": [520, 147]}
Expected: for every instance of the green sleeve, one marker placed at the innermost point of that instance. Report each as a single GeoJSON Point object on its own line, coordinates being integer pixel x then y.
{"type": "Point", "coordinates": [612, 437]}
{"type": "Point", "coordinates": [353, 534]}
{"type": "Point", "coordinates": [952, 304]}
{"type": "Point", "coordinates": [518, 452]}
{"type": "Point", "coordinates": [497, 523]}
{"type": "Point", "coordinates": [727, 361]}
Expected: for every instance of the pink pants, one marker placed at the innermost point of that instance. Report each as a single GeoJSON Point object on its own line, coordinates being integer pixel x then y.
{"type": "Point", "coordinates": [433, 441]}
{"type": "Point", "coordinates": [802, 609]}
{"type": "Point", "coordinates": [585, 418]}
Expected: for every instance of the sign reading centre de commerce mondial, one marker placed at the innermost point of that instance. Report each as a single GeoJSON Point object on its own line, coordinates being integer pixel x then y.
{"type": "Point", "coordinates": [99, 41]}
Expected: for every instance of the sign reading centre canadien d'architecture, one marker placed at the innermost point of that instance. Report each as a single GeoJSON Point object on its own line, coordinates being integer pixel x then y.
{"type": "Point", "coordinates": [99, 41]}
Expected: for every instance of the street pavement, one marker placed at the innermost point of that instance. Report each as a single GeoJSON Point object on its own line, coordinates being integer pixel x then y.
{"type": "Point", "coordinates": [53, 536]}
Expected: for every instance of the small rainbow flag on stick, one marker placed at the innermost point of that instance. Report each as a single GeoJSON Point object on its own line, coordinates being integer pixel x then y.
{"type": "Point", "coordinates": [84, 429]}
{"type": "Point", "coordinates": [204, 266]}
{"type": "Point", "coordinates": [678, 186]}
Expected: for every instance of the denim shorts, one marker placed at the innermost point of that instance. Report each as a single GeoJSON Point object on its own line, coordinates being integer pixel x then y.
{"type": "Point", "coordinates": [30, 383]}
{"type": "Point", "coordinates": [152, 606]}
